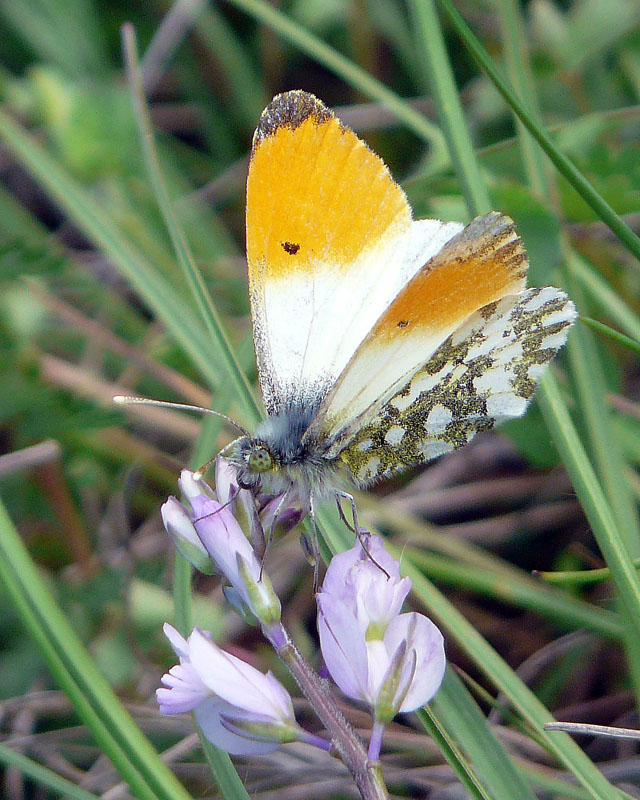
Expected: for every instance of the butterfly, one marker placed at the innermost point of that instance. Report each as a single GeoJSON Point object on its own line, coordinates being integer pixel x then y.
{"type": "Point", "coordinates": [382, 341]}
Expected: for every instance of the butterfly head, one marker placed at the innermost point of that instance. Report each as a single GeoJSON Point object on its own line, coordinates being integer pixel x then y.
{"type": "Point", "coordinates": [282, 453]}
{"type": "Point", "coordinates": [255, 461]}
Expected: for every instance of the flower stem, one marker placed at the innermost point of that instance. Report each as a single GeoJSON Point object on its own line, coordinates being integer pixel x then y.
{"type": "Point", "coordinates": [316, 741]}
{"type": "Point", "coordinates": [366, 773]}
{"type": "Point", "coordinates": [375, 745]}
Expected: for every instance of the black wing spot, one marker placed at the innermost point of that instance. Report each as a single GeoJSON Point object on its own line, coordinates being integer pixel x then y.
{"type": "Point", "coordinates": [402, 323]}
{"type": "Point", "coordinates": [290, 247]}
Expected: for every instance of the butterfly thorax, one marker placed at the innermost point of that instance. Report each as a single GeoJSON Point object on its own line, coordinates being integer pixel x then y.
{"type": "Point", "coordinates": [283, 453]}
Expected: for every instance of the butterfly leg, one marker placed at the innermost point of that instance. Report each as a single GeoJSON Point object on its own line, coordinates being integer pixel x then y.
{"type": "Point", "coordinates": [314, 548]}
{"type": "Point", "coordinates": [359, 532]}
{"type": "Point", "coordinates": [355, 528]}
{"type": "Point", "coordinates": [277, 512]}
{"type": "Point", "coordinates": [270, 534]}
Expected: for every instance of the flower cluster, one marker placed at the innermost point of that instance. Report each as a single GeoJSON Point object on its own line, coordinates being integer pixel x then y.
{"type": "Point", "coordinates": [391, 661]}
{"type": "Point", "coordinates": [210, 536]}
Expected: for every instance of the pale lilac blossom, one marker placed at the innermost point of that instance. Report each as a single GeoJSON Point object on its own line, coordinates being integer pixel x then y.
{"type": "Point", "coordinates": [240, 709]}
{"type": "Point", "coordinates": [393, 662]}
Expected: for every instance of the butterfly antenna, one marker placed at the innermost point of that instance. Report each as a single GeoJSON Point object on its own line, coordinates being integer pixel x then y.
{"type": "Point", "coordinates": [199, 473]}
{"type": "Point", "coordinates": [125, 400]}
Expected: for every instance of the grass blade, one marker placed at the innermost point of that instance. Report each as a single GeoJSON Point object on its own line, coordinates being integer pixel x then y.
{"type": "Point", "coordinates": [431, 47]}
{"type": "Point", "coordinates": [110, 724]}
{"type": "Point", "coordinates": [503, 677]}
{"type": "Point", "coordinates": [562, 163]}
{"type": "Point", "coordinates": [43, 775]}
{"type": "Point", "coordinates": [352, 74]}
{"type": "Point", "coordinates": [616, 336]}
{"type": "Point", "coordinates": [456, 708]}
{"type": "Point", "coordinates": [187, 264]}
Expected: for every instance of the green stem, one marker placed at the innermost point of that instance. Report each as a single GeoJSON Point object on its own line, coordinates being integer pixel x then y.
{"type": "Point", "coordinates": [431, 47]}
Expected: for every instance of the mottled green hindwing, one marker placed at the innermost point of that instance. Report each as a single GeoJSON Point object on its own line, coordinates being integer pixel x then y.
{"type": "Point", "coordinates": [483, 374]}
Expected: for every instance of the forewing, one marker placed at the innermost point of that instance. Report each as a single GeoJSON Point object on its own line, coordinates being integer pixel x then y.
{"type": "Point", "coordinates": [481, 264]}
{"type": "Point", "coordinates": [482, 375]}
{"type": "Point", "coordinates": [330, 242]}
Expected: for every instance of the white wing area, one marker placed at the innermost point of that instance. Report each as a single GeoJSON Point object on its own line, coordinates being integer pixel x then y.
{"type": "Point", "coordinates": [482, 263]}
{"type": "Point", "coordinates": [309, 323]}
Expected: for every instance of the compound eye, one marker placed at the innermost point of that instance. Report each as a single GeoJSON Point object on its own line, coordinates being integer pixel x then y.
{"type": "Point", "coordinates": [260, 459]}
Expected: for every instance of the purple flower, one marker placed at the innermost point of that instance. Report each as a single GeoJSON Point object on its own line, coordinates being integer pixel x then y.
{"type": "Point", "coordinates": [240, 709]}
{"type": "Point", "coordinates": [393, 662]}
{"type": "Point", "coordinates": [225, 543]}
{"type": "Point", "coordinates": [284, 518]}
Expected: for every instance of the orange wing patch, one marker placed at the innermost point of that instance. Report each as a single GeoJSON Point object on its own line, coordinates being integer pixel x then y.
{"type": "Point", "coordinates": [316, 195]}
{"type": "Point", "coordinates": [485, 262]}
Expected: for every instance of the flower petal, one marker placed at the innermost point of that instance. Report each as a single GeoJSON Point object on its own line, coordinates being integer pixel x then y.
{"type": "Point", "coordinates": [208, 716]}
{"type": "Point", "coordinates": [178, 642]}
{"type": "Point", "coordinates": [232, 679]}
{"type": "Point", "coordinates": [184, 690]}
{"type": "Point", "coordinates": [343, 647]}
{"type": "Point", "coordinates": [226, 480]}
{"type": "Point", "coordinates": [424, 638]}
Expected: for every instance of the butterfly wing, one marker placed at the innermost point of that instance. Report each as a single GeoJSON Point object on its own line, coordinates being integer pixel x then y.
{"type": "Point", "coordinates": [330, 242]}
{"type": "Point", "coordinates": [482, 375]}
{"type": "Point", "coordinates": [478, 266]}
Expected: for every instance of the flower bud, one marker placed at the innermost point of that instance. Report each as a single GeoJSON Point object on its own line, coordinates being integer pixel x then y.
{"type": "Point", "coordinates": [215, 532]}
{"type": "Point", "coordinates": [263, 601]}
{"type": "Point", "coordinates": [179, 526]}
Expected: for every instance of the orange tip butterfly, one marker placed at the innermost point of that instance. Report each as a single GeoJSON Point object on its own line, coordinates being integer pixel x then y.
{"type": "Point", "coordinates": [382, 341]}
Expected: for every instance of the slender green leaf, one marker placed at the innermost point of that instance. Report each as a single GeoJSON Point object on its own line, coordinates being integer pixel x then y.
{"type": "Point", "coordinates": [559, 607]}
{"type": "Point", "coordinates": [110, 724]}
{"type": "Point", "coordinates": [431, 48]}
{"type": "Point", "coordinates": [503, 677]}
{"type": "Point", "coordinates": [601, 293]}
{"type": "Point", "coordinates": [43, 775]}
{"type": "Point", "coordinates": [616, 336]}
{"type": "Point", "coordinates": [230, 785]}
{"type": "Point", "coordinates": [351, 73]}
{"type": "Point", "coordinates": [454, 706]}
{"type": "Point", "coordinates": [204, 302]}
{"type": "Point", "coordinates": [591, 496]}
{"type": "Point", "coordinates": [435, 727]}
{"type": "Point", "coordinates": [562, 163]}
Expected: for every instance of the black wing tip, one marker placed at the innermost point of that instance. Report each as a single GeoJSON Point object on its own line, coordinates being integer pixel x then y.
{"type": "Point", "coordinates": [494, 221]}
{"type": "Point", "coordinates": [290, 109]}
